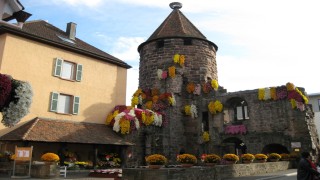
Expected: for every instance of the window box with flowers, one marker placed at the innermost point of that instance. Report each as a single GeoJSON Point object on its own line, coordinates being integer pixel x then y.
{"type": "Point", "coordinates": [261, 157]}
{"type": "Point", "coordinates": [230, 158]}
{"type": "Point", "coordinates": [156, 161]}
{"type": "Point", "coordinates": [186, 160]}
{"type": "Point", "coordinates": [211, 159]}
{"type": "Point", "coordinates": [247, 158]}
{"type": "Point", "coordinates": [273, 157]}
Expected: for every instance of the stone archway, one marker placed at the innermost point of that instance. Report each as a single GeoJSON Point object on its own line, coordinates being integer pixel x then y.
{"type": "Point", "coordinates": [274, 148]}
{"type": "Point", "coordinates": [233, 145]}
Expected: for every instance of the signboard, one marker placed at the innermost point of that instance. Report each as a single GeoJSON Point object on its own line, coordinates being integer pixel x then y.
{"type": "Point", "coordinates": [295, 144]}
{"type": "Point", "coordinates": [23, 153]}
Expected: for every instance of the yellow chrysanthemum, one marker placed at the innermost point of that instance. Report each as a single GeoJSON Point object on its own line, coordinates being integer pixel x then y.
{"type": "Point", "coordinates": [211, 107]}
{"type": "Point", "coordinates": [149, 119]}
{"type": "Point", "coordinates": [261, 94]}
{"type": "Point", "coordinates": [155, 99]}
{"type": "Point", "coordinates": [293, 103]}
{"type": "Point", "coordinates": [138, 92]}
{"type": "Point", "coordinates": [149, 105]}
{"type": "Point", "coordinates": [172, 71]}
{"type": "Point", "coordinates": [181, 60]}
{"type": "Point", "coordinates": [206, 136]}
{"type": "Point", "coordinates": [109, 118]}
{"type": "Point", "coordinates": [134, 101]}
{"type": "Point", "coordinates": [218, 106]}
{"type": "Point", "coordinates": [176, 58]}
{"type": "Point", "coordinates": [124, 125]}
{"type": "Point", "coordinates": [187, 110]}
{"type": "Point", "coordinates": [214, 84]}
{"type": "Point", "coordinates": [273, 93]}
{"type": "Point", "coordinates": [143, 116]}
{"type": "Point", "coordinates": [290, 86]}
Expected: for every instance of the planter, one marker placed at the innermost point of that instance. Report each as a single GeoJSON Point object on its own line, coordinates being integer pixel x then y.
{"type": "Point", "coordinates": [46, 170]}
{"type": "Point", "coordinates": [154, 166]}
{"type": "Point", "coordinates": [186, 165]}
{"type": "Point", "coordinates": [273, 160]}
{"type": "Point", "coordinates": [261, 160]}
{"type": "Point", "coordinates": [247, 161]}
{"type": "Point", "coordinates": [210, 164]}
{"type": "Point", "coordinates": [231, 162]}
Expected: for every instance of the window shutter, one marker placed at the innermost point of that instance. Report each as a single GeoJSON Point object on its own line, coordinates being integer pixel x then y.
{"type": "Point", "coordinates": [76, 104]}
{"type": "Point", "coordinates": [79, 72]}
{"type": "Point", "coordinates": [58, 67]}
{"type": "Point", "coordinates": [54, 102]}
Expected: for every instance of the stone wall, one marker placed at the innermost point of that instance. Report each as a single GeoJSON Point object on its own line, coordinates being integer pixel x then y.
{"type": "Point", "coordinates": [202, 172]}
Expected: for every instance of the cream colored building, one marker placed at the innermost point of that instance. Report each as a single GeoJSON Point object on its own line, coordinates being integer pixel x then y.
{"type": "Point", "coordinates": [73, 83]}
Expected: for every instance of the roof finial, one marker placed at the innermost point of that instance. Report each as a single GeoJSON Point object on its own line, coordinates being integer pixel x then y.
{"type": "Point", "coordinates": [175, 5]}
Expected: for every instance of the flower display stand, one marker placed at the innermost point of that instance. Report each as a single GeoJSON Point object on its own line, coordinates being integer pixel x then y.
{"type": "Point", "coordinates": [45, 170]}
{"type": "Point", "coordinates": [186, 165]}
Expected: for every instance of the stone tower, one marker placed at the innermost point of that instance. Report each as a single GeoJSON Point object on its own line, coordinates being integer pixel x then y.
{"type": "Point", "coordinates": [177, 35]}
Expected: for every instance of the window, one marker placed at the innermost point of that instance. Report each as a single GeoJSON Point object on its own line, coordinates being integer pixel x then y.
{"type": "Point", "coordinates": [205, 121]}
{"type": "Point", "coordinates": [67, 70]}
{"type": "Point", "coordinates": [242, 112]}
{"type": "Point", "coordinates": [237, 110]}
{"type": "Point", "coordinates": [160, 44]}
{"type": "Point", "coordinates": [187, 42]}
{"type": "Point", "coordinates": [64, 103]}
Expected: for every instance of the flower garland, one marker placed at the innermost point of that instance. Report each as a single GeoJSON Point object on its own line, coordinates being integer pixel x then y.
{"type": "Point", "coordinates": [132, 118]}
{"type": "Point", "coordinates": [179, 59]}
{"type": "Point", "coordinates": [206, 87]}
{"type": "Point", "coordinates": [190, 87]}
{"type": "Point", "coordinates": [19, 105]}
{"type": "Point", "coordinates": [289, 91]}
{"type": "Point", "coordinates": [194, 112]}
{"type": "Point", "coordinates": [215, 106]}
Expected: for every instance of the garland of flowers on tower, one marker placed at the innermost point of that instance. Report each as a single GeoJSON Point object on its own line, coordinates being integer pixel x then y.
{"type": "Point", "coordinates": [125, 119]}
{"type": "Point", "coordinates": [191, 110]}
{"type": "Point", "coordinates": [289, 92]}
{"type": "Point", "coordinates": [215, 106]}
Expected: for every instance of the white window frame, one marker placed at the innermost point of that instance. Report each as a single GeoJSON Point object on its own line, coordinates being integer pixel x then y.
{"type": "Point", "coordinates": [67, 70]}
{"type": "Point", "coordinates": [62, 105]}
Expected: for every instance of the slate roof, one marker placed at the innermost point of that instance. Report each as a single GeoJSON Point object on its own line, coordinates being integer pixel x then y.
{"type": "Point", "coordinates": [45, 130]}
{"type": "Point", "coordinates": [176, 25]}
{"type": "Point", "coordinates": [44, 32]}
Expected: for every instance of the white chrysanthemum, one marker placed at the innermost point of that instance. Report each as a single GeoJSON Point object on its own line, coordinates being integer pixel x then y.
{"type": "Point", "coordinates": [159, 73]}
{"type": "Point", "coordinates": [19, 108]}
{"type": "Point", "coordinates": [136, 121]}
{"type": "Point", "coordinates": [194, 112]}
{"type": "Point", "coordinates": [267, 94]}
{"type": "Point", "coordinates": [116, 125]}
{"type": "Point", "coordinates": [140, 100]}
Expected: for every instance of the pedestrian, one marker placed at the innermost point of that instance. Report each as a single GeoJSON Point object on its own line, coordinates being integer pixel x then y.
{"type": "Point", "coordinates": [306, 171]}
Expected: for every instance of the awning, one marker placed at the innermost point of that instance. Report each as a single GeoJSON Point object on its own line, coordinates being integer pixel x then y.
{"type": "Point", "coordinates": [45, 130]}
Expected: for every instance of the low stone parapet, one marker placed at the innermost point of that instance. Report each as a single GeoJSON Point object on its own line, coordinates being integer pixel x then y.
{"type": "Point", "coordinates": [217, 172]}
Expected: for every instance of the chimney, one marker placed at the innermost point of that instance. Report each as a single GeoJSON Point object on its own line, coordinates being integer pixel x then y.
{"type": "Point", "coordinates": [71, 30]}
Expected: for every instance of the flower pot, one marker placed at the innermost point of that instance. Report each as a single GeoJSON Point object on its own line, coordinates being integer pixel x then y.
{"type": "Point", "coordinates": [231, 162]}
{"type": "Point", "coordinates": [247, 161]}
{"type": "Point", "coordinates": [261, 160]}
{"type": "Point", "coordinates": [153, 166]}
{"type": "Point", "coordinates": [186, 165]}
{"type": "Point", "coordinates": [273, 160]}
{"type": "Point", "coordinates": [210, 164]}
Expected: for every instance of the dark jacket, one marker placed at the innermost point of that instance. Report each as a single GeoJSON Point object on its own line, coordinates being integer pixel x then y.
{"type": "Point", "coordinates": [305, 170]}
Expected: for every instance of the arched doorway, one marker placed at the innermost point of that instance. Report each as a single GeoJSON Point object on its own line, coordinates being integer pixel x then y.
{"type": "Point", "coordinates": [233, 145]}
{"type": "Point", "coordinates": [274, 148]}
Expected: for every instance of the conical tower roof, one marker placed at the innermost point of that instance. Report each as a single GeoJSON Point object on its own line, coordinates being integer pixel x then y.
{"type": "Point", "coordinates": [176, 25]}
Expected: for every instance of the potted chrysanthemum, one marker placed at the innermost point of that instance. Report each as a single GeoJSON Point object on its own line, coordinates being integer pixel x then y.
{"type": "Point", "coordinates": [274, 157]}
{"type": "Point", "coordinates": [284, 157]}
{"type": "Point", "coordinates": [231, 158]}
{"type": "Point", "coordinates": [261, 157]}
{"type": "Point", "coordinates": [186, 160]}
{"type": "Point", "coordinates": [211, 159]}
{"type": "Point", "coordinates": [156, 161]}
{"type": "Point", "coordinates": [247, 158]}
{"type": "Point", "coordinates": [50, 157]}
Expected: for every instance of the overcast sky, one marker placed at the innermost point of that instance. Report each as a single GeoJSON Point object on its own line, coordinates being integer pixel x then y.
{"type": "Point", "coordinates": [262, 43]}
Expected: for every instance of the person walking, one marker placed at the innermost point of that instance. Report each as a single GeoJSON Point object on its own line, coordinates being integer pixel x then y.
{"type": "Point", "coordinates": [306, 170]}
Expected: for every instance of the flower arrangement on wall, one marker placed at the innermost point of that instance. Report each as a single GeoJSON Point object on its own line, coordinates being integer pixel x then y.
{"type": "Point", "coordinates": [205, 136]}
{"type": "Point", "coordinates": [124, 119]}
{"type": "Point", "coordinates": [289, 92]}
{"type": "Point", "coordinates": [152, 99]}
{"type": "Point", "coordinates": [214, 84]}
{"type": "Point", "coordinates": [186, 159]}
{"type": "Point", "coordinates": [215, 106]}
{"type": "Point", "coordinates": [230, 157]}
{"type": "Point", "coordinates": [191, 110]}
{"type": "Point", "coordinates": [156, 159]}
{"type": "Point", "coordinates": [260, 156]}
{"type": "Point", "coordinates": [179, 59]}
{"type": "Point", "coordinates": [210, 158]}
{"type": "Point", "coordinates": [15, 103]}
